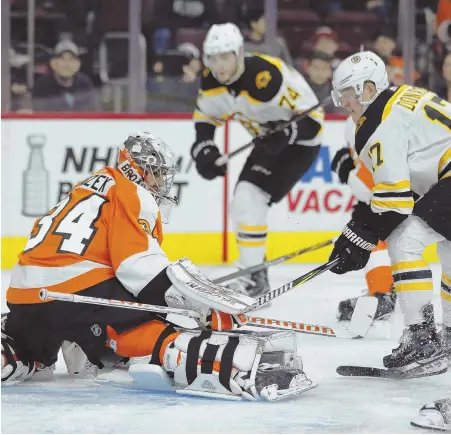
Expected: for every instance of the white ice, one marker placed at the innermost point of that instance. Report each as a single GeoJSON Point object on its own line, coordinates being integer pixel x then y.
{"type": "Point", "coordinates": [338, 405]}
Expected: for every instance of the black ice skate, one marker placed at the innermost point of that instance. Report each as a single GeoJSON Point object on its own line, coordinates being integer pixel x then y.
{"type": "Point", "coordinates": [386, 303]}
{"type": "Point", "coordinates": [419, 353]}
{"type": "Point", "coordinates": [254, 286]}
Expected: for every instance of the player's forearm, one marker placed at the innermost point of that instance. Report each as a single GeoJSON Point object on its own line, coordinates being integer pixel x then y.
{"type": "Point", "coordinates": [204, 131]}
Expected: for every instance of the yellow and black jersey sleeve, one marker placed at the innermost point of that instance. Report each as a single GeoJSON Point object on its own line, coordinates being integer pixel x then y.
{"type": "Point", "coordinates": [262, 78]}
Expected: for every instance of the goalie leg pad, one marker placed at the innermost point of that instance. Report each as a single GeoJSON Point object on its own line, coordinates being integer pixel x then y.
{"type": "Point", "coordinates": [233, 366]}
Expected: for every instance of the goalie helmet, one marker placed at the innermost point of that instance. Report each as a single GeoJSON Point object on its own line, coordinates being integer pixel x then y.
{"type": "Point", "coordinates": [354, 71]}
{"type": "Point", "coordinates": [149, 162]}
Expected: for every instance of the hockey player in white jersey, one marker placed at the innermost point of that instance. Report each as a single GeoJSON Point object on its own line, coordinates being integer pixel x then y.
{"type": "Point", "coordinates": [259, 91]}
{"type": "Point", "coordinates": [404, 139]}
{"type": "Point", "coordinates": [378, 276]}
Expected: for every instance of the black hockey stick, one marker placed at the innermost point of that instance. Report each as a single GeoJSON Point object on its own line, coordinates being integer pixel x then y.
{"type": "Point", "coordinates": [373, 372]}
{"type": "Point", "coordinates": [274, 262]}
{"type": "Point", "coordinates": [273, 294]}
{"type": "Point", "coordinates": [226, 157]}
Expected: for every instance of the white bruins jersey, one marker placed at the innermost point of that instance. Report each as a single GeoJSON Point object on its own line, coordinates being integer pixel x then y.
{"type": "Point", "coordinates": [404, 139]}
{"type": "Point", "coordinates": [268, 91]}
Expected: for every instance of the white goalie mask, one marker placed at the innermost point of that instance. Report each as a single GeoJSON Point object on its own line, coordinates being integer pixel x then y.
{"type": "Point", "coordinates": [149, 162]}
{"type": "Point", "coordinates": [352, 74]}
{"type": "Point", "coordinates": [224, 38]}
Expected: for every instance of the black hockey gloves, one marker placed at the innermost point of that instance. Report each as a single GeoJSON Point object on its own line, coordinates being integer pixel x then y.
{"type": "Point", "coordinates": [205, 154]}
{"type": "Point", "coordinates": [294, 133]}
{"type": "Point", "coordinates": [342, 164]}
{"type": "Point", "coordinates": [353, 247]}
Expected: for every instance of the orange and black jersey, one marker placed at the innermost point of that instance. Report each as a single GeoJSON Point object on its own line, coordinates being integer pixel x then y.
{"type": "Point", "coordinates": [106, 227]}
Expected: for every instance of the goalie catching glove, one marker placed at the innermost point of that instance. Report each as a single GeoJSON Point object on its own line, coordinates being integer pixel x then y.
{"type": "Point", "coordinates": [220, 307]}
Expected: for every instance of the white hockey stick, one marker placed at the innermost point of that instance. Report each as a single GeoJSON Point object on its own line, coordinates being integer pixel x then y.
{"type": "Point", "coordinates": [45, 295]}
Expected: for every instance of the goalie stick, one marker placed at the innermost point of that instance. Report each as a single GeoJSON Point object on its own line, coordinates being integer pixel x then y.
{"type": "Point", "coordinates": [45, 295]}
{"type": "Point", "coordinates": [274, 262]}
{"type": "Point", "coordinates": [226, 157]}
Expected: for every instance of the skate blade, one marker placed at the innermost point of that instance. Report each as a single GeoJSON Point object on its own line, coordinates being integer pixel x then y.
{"type": "Point", "coordinates": [424, 423]}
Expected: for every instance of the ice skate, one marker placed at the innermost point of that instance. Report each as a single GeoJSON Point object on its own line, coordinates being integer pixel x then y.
{"type": "Point", "coordinates": [386, 303]}
{"type": "Point", "coordinates": [419, 353]}
{"type": "Point", "coordinates": [435, 416]}
{"type": "Point", "coordinates": [255, 285]}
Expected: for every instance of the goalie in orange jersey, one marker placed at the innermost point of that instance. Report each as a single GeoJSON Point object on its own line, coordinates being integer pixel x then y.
{"type": "Point", "coordinates": [104, 240]}
{"type": "Point", "coordinates": [378, 272]}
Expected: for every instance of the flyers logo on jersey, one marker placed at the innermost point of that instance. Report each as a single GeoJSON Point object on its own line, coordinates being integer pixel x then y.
{"type": "Point", "coordinates": [262, 79]}
{"type": "Point", "coordinates": [145, 226]}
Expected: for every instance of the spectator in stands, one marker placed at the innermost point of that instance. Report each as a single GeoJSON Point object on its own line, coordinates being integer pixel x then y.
{"type": "Point", "coordinates": [443, 21]}
{"type": "Point", "coordinates": [175, 82]}
{"type": "Point", "coordinates": [444, 88]}
{"type": "Point", "coordinates": [325, 41]}
{"type": "Point", "coordinates": [20, 94]}
{"type": "Point", "coordinates": [395, 71]}
{"type": "Point", "coordinates": [254, 41]}
{"type": "Point", "coordinates": [384, 44]}
{"type": "Point", "coordinates": [192, 69]}
{"type": "Point", "coordinates": [169, 15]}
{"type": "Point", "coordinates": [65, 88]}
{"type": "Point", "coordinates": [318, 73]}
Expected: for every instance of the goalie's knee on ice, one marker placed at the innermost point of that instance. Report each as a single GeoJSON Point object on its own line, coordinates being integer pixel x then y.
{"type": "Point", "coordinates": [249, 205]}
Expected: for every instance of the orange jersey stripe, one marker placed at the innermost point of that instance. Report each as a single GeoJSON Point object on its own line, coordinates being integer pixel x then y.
{"type": "Point", "coordinates": [364, 175]}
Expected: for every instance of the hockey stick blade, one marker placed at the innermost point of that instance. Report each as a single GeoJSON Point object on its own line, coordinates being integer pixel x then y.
{"type": "Point", "coordinates": [363, 316]}
{"type": "Point", "coordinates": [373, 372]}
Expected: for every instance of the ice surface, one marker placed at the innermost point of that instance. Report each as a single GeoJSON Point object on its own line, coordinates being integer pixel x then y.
{"type": "Point", "coordinates": [337, 405]}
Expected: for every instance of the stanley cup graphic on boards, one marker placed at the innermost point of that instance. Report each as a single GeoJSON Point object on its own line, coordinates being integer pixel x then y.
{"type": "Point", "coordinates": [35, 197]}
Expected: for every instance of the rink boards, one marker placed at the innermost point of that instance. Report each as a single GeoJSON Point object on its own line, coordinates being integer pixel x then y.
{"type": "Point", "coordinates": [43, 157]}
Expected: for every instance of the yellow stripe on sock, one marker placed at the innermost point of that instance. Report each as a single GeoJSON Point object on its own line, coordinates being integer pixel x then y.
{"type": "Point", "coordinates": [445, 295]}
{"type": "Point", "coordinates": [251, 244]}
{"type": "Point", "coordinates": [446, 279]}
{"type": "Point", "coordinates": [403, 265]}
{"type": "Point", "coordinates": [407, 286]}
